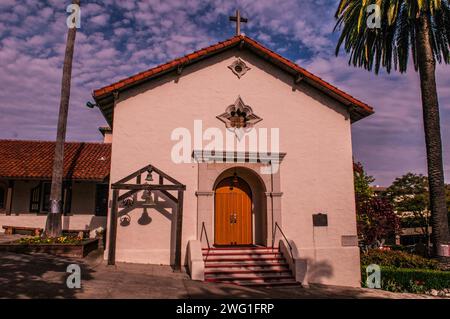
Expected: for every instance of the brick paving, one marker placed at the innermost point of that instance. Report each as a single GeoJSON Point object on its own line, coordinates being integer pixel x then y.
{"type": "Point", "coordinates": [44, 276]}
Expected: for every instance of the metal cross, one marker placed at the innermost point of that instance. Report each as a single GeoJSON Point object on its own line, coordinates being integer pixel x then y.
{"type": "Point", "coordinates": [238, 21]}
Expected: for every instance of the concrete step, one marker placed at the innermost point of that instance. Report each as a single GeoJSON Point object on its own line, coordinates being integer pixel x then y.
{"type": "Point", "coordinates": [241, 247]}
{"type": "Point", "coordinates": [231, 268]}
{"type": "Point", "coordinates": [244, 259]}
{"type": "Point", "coordinates": [253, 279]}
{"type": "Point", "coordinates": [241, 255]}
{"type": "Point", "coordinates": [280, 283]}
{"type": "Point", "coordinates": [247, 266]}
{"type": "Point", "coordinates": [240, 250]}
{"type": "Point", "coordinates": [249, 274]}
{"type": "Point", "coordinates": [244, 262]}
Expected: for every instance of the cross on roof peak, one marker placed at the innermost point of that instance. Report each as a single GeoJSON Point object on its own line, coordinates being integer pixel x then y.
{"type": "Point", "coordinates": [238, 19]}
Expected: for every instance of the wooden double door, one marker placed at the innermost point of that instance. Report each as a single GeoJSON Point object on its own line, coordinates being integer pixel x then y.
{"type": "Point", "coordinates": [233, 213]}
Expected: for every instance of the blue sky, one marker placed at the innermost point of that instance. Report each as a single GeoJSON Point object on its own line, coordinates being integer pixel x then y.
{"type": "Point", "coordinates": [118, 38]}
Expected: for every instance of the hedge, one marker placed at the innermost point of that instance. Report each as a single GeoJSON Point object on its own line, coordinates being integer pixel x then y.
{"type": "Point", "coordinates": [410, 280]}
{"type": "Point", "coordinates": [397, 259]}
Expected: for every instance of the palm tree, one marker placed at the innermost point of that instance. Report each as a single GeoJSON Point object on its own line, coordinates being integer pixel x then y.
{"type": "Point", "coordinates": [53, 227]}
{"type": "Point", "coordinates": [416, 28]}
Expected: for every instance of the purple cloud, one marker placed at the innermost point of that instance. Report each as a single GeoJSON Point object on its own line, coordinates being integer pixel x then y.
{"type": "Point", "coordinates": [122, 37]}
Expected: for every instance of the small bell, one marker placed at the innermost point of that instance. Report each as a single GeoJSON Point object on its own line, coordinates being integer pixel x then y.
{"type": "Point", "coordinates": [147, 196]}
{"type": "Point", "coordinates": [149, 177]}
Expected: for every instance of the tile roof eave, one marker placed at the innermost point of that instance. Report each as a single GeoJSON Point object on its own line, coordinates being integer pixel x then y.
{"type": "Point", "coordinates": [106, 92]}
{"type": "Point", "coordinates": [49, 178]}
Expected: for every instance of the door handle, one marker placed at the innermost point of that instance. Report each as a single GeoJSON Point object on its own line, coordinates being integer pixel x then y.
{"type": "Point", "coordinates": [233, 218]}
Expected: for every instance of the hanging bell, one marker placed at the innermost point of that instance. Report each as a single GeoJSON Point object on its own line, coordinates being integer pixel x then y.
{"type": "Point", "coordinates": [149, 177]}
{"type": "Point", "coordinates": [147, 196]}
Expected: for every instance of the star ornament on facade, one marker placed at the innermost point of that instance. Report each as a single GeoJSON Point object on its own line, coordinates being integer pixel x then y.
{"type": "Point", "coordinates": [239, 118]}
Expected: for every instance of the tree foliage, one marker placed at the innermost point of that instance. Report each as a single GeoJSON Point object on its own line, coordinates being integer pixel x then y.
{"type": "Point", "coordinates": [362, 181]}
{"type": "Point", "coordinates": [376, 220]}
{"type": "Point", "coordinates": [410, 197]}
{"type": "Point", "coordinates": [395, 42]}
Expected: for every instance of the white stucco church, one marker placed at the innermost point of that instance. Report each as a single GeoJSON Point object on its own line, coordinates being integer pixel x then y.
{"type": "Point", "coordinates": [234, 162]}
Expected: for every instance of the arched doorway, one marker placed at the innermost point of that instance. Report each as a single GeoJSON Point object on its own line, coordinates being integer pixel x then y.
{"type": "Point", "coordinates": [233, 212]}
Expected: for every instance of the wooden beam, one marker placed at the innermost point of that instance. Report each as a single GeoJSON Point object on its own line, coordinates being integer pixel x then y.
{"type": "Point", "coordinates": [148, 187]}
{"type": "Point", "coordinates": [127, 194]}
{"type": "Point", "coordinates": [179, 231]}
{"type": "Point", "coordinates": [170, 196]}
{"type": "Point", "coordinates": [180, 69]}
{"type": "Point", "coordinates": [113, 230]}
{"type": "Point", "coordinates": [169, 178]}
{"type": "Point", "coordinates": [135, 174]}
{"type": "Point", "coordinates": [299, 78]}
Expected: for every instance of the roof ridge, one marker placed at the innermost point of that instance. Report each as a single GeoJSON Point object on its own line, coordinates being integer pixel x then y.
{"type": "Point", "coordinates": [48, 141]}
{"type": "Point", "coordinates": [357, 108]}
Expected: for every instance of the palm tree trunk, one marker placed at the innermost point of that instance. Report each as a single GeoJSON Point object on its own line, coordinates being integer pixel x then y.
{"type": "Point", "coordinates": [430, 105]}
{"type": "Point", "coordinates": [53, 227]}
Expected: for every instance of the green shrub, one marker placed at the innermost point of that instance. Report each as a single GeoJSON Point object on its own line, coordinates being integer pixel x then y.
{"type": "Point", "coordinates": [411, 280]}
{"type": "Point", "coordinates": [397, 259]}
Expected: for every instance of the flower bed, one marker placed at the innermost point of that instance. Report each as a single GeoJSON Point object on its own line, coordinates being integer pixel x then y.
{"type": "Point", "coordinates": [43, 240]}
{"type": "Point", "coordinates": [61, 246]}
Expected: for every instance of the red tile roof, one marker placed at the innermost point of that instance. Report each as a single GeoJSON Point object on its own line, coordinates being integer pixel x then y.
{"type": "Point", "coordinates": [354, 104]}
{"type": "Point", "coordinates": [34, 160]}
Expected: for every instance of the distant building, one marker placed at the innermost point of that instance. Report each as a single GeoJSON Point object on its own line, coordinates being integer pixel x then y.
{"type": "Point", "coordinates": [25, 179]}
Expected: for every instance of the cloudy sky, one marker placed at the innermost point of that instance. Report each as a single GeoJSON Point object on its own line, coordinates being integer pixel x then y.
{"type": "Point", "coordinates": [118, 38]}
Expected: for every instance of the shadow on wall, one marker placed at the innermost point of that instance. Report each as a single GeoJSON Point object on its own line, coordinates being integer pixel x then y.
{"type": "Point", "coordinates": [162, 205]}
{"type": "Point", "coordinates": [38, 276]}
{"type": "Point", "coordinates": [319, 271]}
{"type": "Point", "coordinates": [315, 271]}
{"type": "Point", "coordinates": [84, 222]}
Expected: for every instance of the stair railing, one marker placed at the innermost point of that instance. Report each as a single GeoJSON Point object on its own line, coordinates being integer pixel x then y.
{"type": "Point", "coordinates": [274, 232]}
{"type": "Point", "coordinates": [206, 236]}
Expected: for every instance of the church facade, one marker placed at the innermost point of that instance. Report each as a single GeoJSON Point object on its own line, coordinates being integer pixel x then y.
{"type": "Point", "coordinates": [263, 150]}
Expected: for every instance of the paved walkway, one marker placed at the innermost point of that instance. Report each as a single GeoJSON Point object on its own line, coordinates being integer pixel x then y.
{"type": "Point", "coordinates": [44, 276]}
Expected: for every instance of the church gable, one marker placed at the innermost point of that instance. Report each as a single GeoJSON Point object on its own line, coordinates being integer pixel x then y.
{"type": "Point", "coordinates": [105, 97]}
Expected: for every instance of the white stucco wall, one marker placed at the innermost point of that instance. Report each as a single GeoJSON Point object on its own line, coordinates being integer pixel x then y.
{"type": "Point", "coordinates": [316, 175]}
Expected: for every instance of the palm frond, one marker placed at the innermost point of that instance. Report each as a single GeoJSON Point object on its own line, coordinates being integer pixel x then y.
{"type": "Point", "coordinates": [394, 43]}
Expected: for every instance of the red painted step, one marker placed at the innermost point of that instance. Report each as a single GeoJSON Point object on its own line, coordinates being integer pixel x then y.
{"type": "Point", "coordinates": [242, 247]}
{"type": "Point", "coordinates": [247, 266]}
{"type": "Point", "coordinates": [236, 268]}
{"type": "Point", "coordinates": [255, 279]}
{"type": "Point", "coordinates": [240, 253]}
{"type": "Point", "coordinates": [283, 283]}
{"type": "Point", "coordinates": [240, 259]}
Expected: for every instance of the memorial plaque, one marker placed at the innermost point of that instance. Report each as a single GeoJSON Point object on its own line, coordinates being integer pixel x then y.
{"type": "Point", "coordinates": [320, 220]}
{"type": "Point", "coordinates": [349, 241]}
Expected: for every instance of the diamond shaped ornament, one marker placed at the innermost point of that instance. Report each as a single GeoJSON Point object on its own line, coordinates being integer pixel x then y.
{"type": "Point", "coordinates": [239, 68]}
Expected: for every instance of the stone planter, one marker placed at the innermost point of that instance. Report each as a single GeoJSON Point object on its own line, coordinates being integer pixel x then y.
{"type": "Point", "coordinates": [66, 250]}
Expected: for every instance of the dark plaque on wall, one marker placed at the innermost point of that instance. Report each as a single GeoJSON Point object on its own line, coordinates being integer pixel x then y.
{"type": "Point", "coordinates": [320, 220]}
